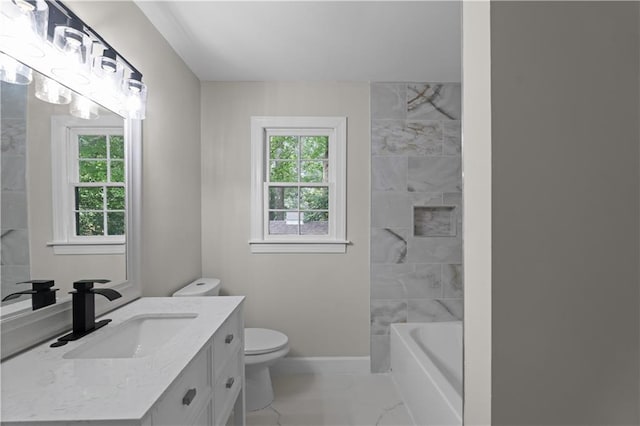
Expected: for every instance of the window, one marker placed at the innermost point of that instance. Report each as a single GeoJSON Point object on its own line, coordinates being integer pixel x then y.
{"type": "Point", "coordinates": [97, 177]}
{"type": "Point", "coordinates": [298, 184]}
{"type": "Point", "coordinates": [89, 187]}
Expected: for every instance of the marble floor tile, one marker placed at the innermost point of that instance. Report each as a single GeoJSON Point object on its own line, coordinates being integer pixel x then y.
{"type": "Point", "coordinates": [333, 400]}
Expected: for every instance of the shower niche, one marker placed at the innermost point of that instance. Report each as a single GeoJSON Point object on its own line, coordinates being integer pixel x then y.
{"type": "Point", "coordinates": [434, 221]}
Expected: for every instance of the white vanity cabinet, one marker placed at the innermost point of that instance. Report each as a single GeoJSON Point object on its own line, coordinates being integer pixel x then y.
{"type": "Point", "coordinates": [211, 386]}
{"type": "Point", "coordinates": [195, 379]}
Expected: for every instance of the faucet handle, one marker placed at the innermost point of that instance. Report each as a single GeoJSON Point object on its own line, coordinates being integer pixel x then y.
{"type": "Point", "coordinates": [40, 285]}
{"type": "Point", "coordinates": [87, 284]}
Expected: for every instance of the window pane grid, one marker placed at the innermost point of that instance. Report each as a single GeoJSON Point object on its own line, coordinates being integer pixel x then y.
{"type": "Point", "coordinates": [104, 171]}
{"type": "Point", "coordinates": [112, 162]}
{"type": "Point", "coordinates": [297, 184]}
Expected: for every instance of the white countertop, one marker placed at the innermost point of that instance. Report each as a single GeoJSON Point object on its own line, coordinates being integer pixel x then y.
{"type": "Point", "coordinates": [40, 385]}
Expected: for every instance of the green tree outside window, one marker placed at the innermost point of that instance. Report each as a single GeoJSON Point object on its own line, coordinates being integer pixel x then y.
{"type": "Point", "coordinates": [100, 192]}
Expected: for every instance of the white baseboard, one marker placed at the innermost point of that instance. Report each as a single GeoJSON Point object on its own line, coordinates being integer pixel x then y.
{"type": "Point", "coordinates": [322, 365]}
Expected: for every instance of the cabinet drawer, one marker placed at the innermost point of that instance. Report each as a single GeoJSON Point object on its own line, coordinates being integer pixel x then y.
{"type": "Point", "coordinates": [227, 340]}
{"type": "Point", "coordinates": [227, 388]}
{"type": "Point", "coordinates": [188, 394]}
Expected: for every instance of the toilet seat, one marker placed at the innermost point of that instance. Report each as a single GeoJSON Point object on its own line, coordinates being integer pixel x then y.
{"type": "Point", "coordinates": [258, 341]}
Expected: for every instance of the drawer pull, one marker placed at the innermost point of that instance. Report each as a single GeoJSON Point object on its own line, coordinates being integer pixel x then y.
{"type": "Point", "coordinates": [228, 339]}
{"type": "Point", "coordinates": [188, 397]}
{"type": "Point", "coordinates": [229, 382]}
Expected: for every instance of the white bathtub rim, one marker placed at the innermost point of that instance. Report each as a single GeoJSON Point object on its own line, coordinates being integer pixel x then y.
{"type": "Point", "coordinates": [450, 395]}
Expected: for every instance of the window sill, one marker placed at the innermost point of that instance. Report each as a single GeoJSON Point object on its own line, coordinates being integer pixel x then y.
{"type": "Point", "coordinates": [66, 248]}
{"type": "Point", "coordinates": [331, 246]}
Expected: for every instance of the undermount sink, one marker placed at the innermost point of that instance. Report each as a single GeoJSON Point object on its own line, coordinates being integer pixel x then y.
{"type": "Point", "coordinates": [136, 337]}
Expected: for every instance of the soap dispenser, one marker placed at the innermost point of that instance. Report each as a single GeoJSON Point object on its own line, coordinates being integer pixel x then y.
{"type": "Point", "coordinates": [42, 293]}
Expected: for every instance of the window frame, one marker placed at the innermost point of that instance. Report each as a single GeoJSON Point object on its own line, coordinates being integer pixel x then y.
{"type": "Point", "coordinates": [64, 167]}
{"type": "Point", "coordinates": [336, 129]}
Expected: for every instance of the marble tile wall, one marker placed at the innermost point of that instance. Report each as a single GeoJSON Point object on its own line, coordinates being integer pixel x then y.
{"type": "Point", "coordinates": [415, 162]}
{"type": "Point", "coordinates": [14, 237]}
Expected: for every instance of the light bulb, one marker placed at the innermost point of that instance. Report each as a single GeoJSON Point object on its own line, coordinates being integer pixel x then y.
{"type": "Point", "coordinates": [76, 45]}
{"type": "Point", "coordinates": [14, 72]}
{"type": "Point", "coordinates": [108, 69]}
{"type": "Point", "coordinates": [135, 92]}
{"type": "Point", "coordinates": [23, 27]}
{"type": "Point", "coordinates": [51, 91]}
{"type": "Point", "coordinates": [82, 107]}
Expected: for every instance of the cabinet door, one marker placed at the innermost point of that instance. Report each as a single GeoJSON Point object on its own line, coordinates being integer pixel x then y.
{"type": "Point", "coordinates": [206, 416]}
{"type": "Point", "coordinates": [187, 395]}
{"type": "Point", "coordinates": [227, 387]}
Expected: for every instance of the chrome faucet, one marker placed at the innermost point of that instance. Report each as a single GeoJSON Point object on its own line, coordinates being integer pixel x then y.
{"type": "Point", "coordinates": [84, 309]}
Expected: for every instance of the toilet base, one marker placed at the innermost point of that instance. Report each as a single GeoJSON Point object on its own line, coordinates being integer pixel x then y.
{"type": "Point", "coordinates": [258, 390]}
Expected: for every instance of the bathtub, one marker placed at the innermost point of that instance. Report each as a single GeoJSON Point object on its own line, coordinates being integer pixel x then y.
{"type": "Point", "coordinates": [426, 366]}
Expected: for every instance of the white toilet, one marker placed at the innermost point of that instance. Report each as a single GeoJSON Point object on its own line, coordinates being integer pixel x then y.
{"type": "Point", "coordinates": [262, 348]}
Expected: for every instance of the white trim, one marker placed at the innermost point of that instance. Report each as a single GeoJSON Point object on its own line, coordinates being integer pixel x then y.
{"type": "Point", "coordinates": [322, 365]}
{"type": "Point", "coordinates": [476, 166]}
{"type": "Point", "coordinates": [79, 248]}
{"type": "Point", "coordinates": [298, 247]}
{"type": "Point", "coordinates": [63, 165]}
{"type": "Point", "coordinates": [335, 241]}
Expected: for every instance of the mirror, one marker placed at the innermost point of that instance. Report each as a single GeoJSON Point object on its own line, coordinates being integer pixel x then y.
{"type": "Point", "coordinates": [71, 174]}
{"type": "Point", "coordinates": [63, 192]}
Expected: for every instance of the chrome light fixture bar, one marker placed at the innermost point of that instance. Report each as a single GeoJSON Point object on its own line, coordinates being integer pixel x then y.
{"type": "Point", "coordinates": [46, 36]}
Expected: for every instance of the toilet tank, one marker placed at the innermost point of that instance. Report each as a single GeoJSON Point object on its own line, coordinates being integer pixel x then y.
{"type": "Point", "coordinates": [200, 287]}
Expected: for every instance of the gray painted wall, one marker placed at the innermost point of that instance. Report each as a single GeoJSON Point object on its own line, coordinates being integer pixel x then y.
{"type": "Point", "coordinates": [565, 213]}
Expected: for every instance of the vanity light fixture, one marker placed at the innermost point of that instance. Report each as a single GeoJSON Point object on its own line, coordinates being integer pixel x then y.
{"type": "Point", "coordinates": [76, 45]}
{"type": "Point", "coordinates": [51, 91]}
{"type": "Point", "coordinates": [82, 107]}
{"type": "Point", "coordinates": [107, 66]}
{"type": "Point", "coordinates": [46, 36]}
{"type": "Point", "coordinates": [12, 71]}
{"type": "Point", "coordinates": [24, 26]}
{"type": "Point", "coordinates": [136, 93]}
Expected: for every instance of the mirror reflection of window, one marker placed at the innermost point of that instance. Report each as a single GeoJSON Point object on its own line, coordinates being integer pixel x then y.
{"type": "Point", "coordinates": [98, 182]}
{"type": "Point", "coordinates": [63, 194]}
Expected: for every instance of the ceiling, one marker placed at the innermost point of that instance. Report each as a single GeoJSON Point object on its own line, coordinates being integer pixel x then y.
{"type": "Point", "coordinates": [313, 40]}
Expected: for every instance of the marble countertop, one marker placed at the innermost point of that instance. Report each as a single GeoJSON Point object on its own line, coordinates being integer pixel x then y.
{"type": "Point", "coordinates": [40, 385]}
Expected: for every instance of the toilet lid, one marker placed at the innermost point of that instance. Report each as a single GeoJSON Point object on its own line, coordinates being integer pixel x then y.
{"type": "Point", "coordinates": [261, 341]}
